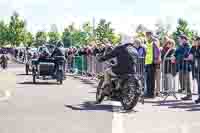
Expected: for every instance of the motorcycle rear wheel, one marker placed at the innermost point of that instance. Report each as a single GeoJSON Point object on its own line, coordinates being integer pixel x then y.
{"type": "Point", "coordinates": [129, 100]}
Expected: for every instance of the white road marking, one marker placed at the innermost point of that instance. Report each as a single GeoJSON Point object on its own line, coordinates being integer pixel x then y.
{"type": "Point", "coordinates": [184, 128]}
{"type": "Point", "coordinates": [118, 119]}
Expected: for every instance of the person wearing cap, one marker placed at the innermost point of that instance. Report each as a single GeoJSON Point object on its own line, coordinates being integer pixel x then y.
{"type": "Point", "coordinates": [151, 59]}
{"type": "Point", "coordinates": [184, 67]}
{"type": "Point", "coordinates": [194, 56]}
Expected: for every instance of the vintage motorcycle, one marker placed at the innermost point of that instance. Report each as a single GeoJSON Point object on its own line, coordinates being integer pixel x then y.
{"type": "Point", "coordinates": [50, 67]}
{"type": "Point", "coordinates": [128, 89]}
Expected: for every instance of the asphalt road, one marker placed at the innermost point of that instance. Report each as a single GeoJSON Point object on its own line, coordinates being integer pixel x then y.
{"type": "Point", "coordinates": [50, 108]}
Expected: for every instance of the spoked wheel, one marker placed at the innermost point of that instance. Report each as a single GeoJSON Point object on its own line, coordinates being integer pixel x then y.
{"type": "Point", "coordinates": [129, 99]}
{"type": "Point", "coordinates": [99, 94]}
{"type": "Point", "coordinates": [60, 77]}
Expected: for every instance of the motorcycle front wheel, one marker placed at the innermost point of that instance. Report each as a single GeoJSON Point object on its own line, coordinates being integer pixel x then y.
{"type": "Point", "coordinates": [60, 77]}
{"type": "Point", "coordinates": [99, 94]}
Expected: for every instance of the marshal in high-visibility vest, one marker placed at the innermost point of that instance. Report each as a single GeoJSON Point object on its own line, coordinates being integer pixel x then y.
{"type": "Point", "coordinates": [149, 53]}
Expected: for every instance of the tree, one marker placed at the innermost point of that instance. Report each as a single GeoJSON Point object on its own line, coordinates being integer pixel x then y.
{"type": "Point", "coordinates": [74, 35]}
{"type": "Point", "coordinates": [53, 35]}
{"type": "Point", "coordinates": [141, 28]}
{"type": "Point", "coordinates": [88, 33]}
{"type": "Point", "coordinates": [29, 39]}
{"type": "Point", "coordinates": [3, 33]}
{"type": "Point", "coordinates": [183, 28]}
{"type": "Point", "coordinates": [116, 39]}
{"type": "Point", "coordinates": [66, 38]}
{"type": "Point", "coordinates": [40, 38]}
{"type": "Point", "coordinates": [161, 30]}
{"type": "Point", "coordinates": [104, 31]}
{"type": "Point", "coordinates": [71, 28]}
{"type": "Point", "coordinates": [78, 38]}
{"type": "Point", "coordinates": [16, 30]}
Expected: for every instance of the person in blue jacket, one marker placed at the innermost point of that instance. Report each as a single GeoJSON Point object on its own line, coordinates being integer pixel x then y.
{"type": "Point", "coordinates": [184, 67]}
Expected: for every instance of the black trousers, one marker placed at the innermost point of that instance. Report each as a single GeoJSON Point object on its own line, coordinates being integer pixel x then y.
{"type": "Point", "coordinates": [150, 79]}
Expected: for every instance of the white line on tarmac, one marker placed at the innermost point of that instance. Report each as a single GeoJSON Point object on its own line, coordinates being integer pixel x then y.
{"type": "Point", "coordinates": [118, 119]}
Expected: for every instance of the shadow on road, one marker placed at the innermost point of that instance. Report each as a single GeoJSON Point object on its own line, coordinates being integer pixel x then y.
{"type": "Point", "coordinates": [177, 104]}
{"type": "Point", "coordinates": [92, 92]}
{"type": "Point", "coordinates": [38, 83]}
{"type": "Point", "coordinates": [86, 81]}
{"type": "Point", "coordinates": [21, 75]}
{"type": "Point", "coordinates": [193, 109]}
{"type": "Point", "coordinates": [161, 101]}
{"type": "Point", "coordinates": [91, 106]}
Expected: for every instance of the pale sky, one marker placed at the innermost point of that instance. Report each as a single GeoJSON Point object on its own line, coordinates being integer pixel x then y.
{"type": "Point", "coordinates": [124, 14]}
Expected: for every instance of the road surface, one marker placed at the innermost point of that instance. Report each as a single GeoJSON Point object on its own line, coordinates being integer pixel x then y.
{"type": "Point", "coordinates": [50, 108]}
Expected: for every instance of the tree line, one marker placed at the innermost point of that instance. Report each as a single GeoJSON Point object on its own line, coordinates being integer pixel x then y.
{"type": "Point", "coordinates": [15, 33]}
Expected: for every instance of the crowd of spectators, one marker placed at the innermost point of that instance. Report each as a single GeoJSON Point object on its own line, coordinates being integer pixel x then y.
{"type": "Point", "coordinates": [172, 59]}
{"type": "Point", "coordinates": [166, 57]}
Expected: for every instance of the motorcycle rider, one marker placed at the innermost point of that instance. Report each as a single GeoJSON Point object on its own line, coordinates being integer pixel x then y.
{"type": "Point", "coordinates": [126, 55]}
{"type": "Point", "coordinates": [44, 54]}
{"type": "Point", "coordinates": [4, 60]}
{"type": "Point", "coordinates": [59, 51]}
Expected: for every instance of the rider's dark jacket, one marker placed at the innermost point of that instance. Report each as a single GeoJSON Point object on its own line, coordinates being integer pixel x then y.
{"type": "Point", "coordinates": [126, 56]}
{"type": "Point", "coordinates": [58, 52]}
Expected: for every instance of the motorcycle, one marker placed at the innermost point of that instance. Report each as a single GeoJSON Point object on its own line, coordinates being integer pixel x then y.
{"type": "Point", "coordinates": [128, 89]}
{"type": "Point", "coordinates": [50, 67]}
{"type": "Point", "coordinates": [60, 74]}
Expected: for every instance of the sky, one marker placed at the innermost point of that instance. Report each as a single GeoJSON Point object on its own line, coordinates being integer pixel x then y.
{"type": "Point", "coordinates": [125, 15]}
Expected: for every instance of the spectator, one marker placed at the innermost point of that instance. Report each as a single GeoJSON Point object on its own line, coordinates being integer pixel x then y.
{"type": "Point", "coordinates": [192, 50]}
{"type": "Point", "coordinates": [152, 55]}
{"type": "Point", "coordinates": [195, 57]}
{"type": "Point", "coordinates": [184, 66]}
{"type": "Point", "coordinates": [16, 53]}
{"type": "Point", "coordinates": [169, 68]}
{"type": "Point", "coordinates": [157, 68]}
{"type": "Point", "coordinates": [140, 48]}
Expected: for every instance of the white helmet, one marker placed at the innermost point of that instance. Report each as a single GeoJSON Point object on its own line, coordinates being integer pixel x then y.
{"type": "Point", "coordinates": [127, 39]}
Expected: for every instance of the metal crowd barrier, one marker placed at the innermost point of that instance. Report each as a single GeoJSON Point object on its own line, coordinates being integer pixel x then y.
{"type": "Point", "coordinates": [168, 78]}
{"type": "Point", "coordinates": [178, 77]}
{"type": "Point", "coordinates": [173, 76]}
